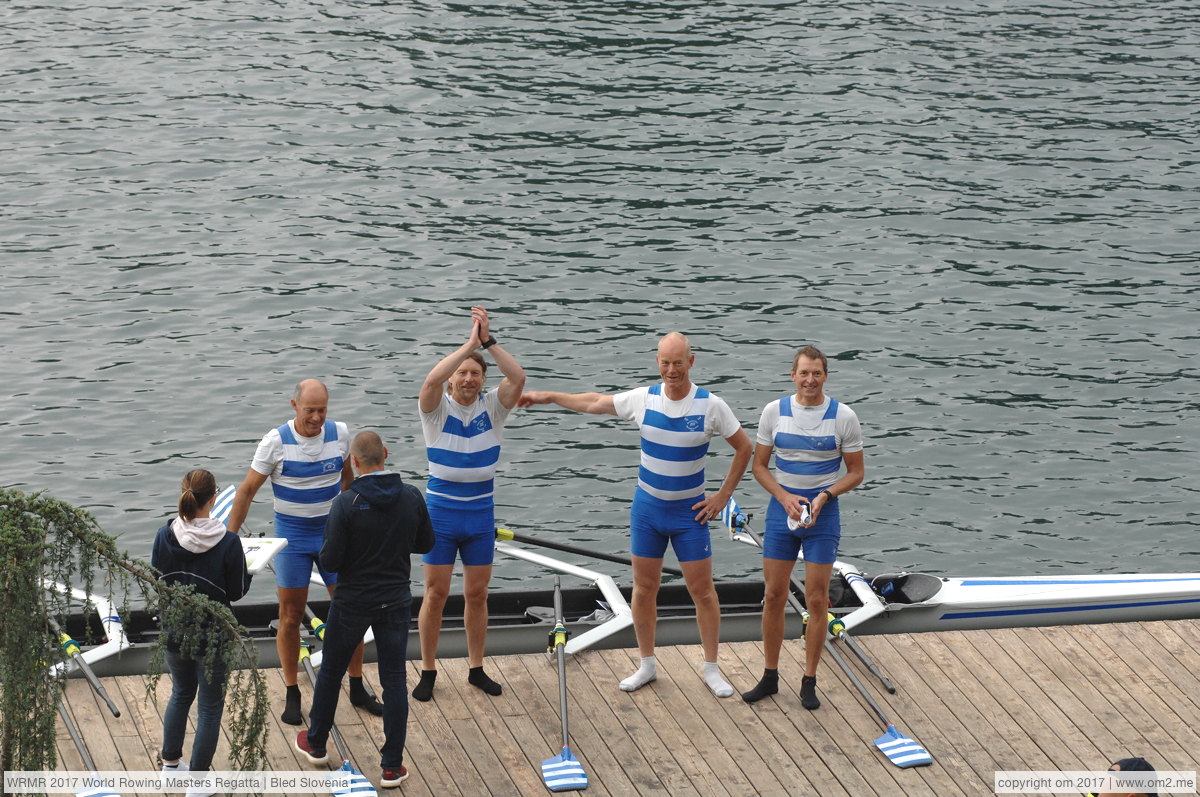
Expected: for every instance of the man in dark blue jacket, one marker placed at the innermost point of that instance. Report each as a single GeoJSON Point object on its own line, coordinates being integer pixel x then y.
{"type": "Point", "coordinates": [374, 526]}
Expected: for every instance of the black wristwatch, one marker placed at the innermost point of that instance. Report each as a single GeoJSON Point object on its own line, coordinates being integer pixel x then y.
{"type": "Point", "coordinates": [491, 341]}
{"type": "Point", "coordinates": [830, 495]}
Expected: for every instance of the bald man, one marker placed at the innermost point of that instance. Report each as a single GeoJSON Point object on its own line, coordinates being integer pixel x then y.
{"type": "Point", "coordinates": [307, 460]}
{"type": "Point", "coordinates": [676, 419]}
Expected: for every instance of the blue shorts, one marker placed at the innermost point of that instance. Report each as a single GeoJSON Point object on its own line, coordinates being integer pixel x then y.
{"type": "Point", "coordinates": [653, 522]}
{"type": "Point", "coordinates": [294, 564]}
{"type": "Point", "coordinates": [471, 531]}
{"type": "Point", "coordinates": [819, 541]}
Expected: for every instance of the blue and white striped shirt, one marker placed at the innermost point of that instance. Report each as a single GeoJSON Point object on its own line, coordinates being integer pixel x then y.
{"type": "Point", "coordinates": [809, 441]}
{"type": "Point", "coordinates": [306, 472]}
{"type": "Point", "coordinates": [675, 437]}
{"type": "Point", "coordinates": [462, 445]}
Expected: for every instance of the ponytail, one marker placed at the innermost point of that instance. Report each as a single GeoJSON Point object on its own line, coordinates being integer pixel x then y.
{"type": "Point", "coordinates": [197, 489]}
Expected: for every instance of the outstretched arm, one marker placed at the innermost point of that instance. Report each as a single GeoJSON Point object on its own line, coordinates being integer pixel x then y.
{"type": "Point", "coordinates": [431, 388]}
{"type": "Point", "coordinates": [711, 505]}
{"type": "Point", "coordinates": [594, 403]}
{"type": "Point", "coordinates": [514, 375]}
{"type": "Point", "coordinates": [241, 501]}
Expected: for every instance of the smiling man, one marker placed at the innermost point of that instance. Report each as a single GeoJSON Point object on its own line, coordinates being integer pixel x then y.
{"type": "Point", "coordinates": [463, 426]}
{"type": "Point", "coordinates": [812, 436]}
{"type": "Point", "coordinates": [307, 461]}
{"type": "Point", "coordinates": [677, 419]}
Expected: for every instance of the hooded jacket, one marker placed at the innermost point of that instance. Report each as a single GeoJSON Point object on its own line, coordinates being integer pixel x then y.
{"type": "Point", "coordinates": [373, 529]}
{"type": "Point", "coordinates": [201, 553]}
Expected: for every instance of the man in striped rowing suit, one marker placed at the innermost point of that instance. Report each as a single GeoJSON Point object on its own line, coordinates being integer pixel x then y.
{"type": "Point", "coordinates": [307, 461]}
{"type": "Point", "coordinates": [463, 426]}
{"type": "Point", "coordinates": [812, 436]}
{"type": "Point", "coordinates": [677, 419]}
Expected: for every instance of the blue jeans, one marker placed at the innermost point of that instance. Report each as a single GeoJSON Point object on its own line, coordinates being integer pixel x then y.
{"type": "Point", "coordinates": [344, 629]}
{"type": "Point", "coordinates": [188, 676]}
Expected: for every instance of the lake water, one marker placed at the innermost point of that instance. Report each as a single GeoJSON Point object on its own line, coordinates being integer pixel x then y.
{"type": "Point", "coordinates": [986, 213]}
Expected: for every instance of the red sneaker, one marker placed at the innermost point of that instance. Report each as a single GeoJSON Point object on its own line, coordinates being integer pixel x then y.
{"type": "Point", "coordinates": [303, 747]}
{"type": "Point", "coordinates": [392, 777]}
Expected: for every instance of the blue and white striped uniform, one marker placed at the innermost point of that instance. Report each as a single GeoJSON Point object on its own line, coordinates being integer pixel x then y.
{"type": "Point", "coordinates": [306, 475]}
{"type": "Point", "coordinates": [809, 443]}
{"type": "Point", "coordinates": [462, 445]}
{"type": "Point", "coordinates": [674, 446]}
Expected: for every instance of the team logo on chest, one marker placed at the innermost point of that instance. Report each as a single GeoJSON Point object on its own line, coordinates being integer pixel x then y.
{"type": "Point", "coordinates": [692, 424]}
{"type": "Point", "coordinates": [329, 467]}
{"type": "Point", "coordinates": [480, 424]}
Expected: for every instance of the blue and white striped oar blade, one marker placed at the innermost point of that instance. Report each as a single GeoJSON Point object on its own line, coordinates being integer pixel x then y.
{"type": "Point", "coordinates": [564, 772]}
{"type": "Point", "coordinates": [224, 504]}
{"type": "Point", "coordinates": [732, 515]}
{"type": "Point", "coordinates": [358, 785]}
{"type": "Point", "coordinates": [901, 750]}
{"type": "Point", "coordinates": [97, 793]}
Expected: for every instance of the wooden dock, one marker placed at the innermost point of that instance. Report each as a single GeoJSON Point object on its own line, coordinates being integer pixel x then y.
{"type": "Point", "coordinates": [1064, 698]}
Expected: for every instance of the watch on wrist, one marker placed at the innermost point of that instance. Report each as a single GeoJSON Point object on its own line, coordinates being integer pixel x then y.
{"type": "Point", "coordinates": [828, 495]}
{"type": "Point", "coordinates": [491, 341]}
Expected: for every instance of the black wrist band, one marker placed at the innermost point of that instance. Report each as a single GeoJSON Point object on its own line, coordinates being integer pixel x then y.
{"type": "Point", "coordinates": [830, 495]}
{"type": "Point", "coordinates": [491, 341]}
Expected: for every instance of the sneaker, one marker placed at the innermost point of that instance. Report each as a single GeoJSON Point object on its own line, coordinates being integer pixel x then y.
{"type": "Point", "coordinates": [303, 747]}
{"type": "Point", "coordinates": [392, 777]}
{"type": "Point", "coordinates": [176, 768]}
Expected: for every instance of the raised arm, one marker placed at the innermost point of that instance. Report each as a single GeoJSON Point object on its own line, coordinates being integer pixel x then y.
{"type": "Point", "coordinates": [514, 375]}
{"type": "Point", "coordinates": [432, 387]}
{"type": "Point", "coordinates": [594, 403]}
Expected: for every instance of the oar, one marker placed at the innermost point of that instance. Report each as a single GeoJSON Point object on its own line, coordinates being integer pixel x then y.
{"type": "Point", "coordinates": [505, 534]}
{"type": "Point", "coordinates": [71, 648]}
{"type": "Point", "coordinates": [900, 749]}
{"type": "Point", "coordinates": [83, 753]}
{"type": "Point", "coordinates": [838, 629]}
{"type": "Point", "coordinates": [563, 772]}
{"type": "Point", "coordinates": [358, 785]}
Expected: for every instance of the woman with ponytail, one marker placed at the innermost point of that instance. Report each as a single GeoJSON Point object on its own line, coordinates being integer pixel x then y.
{"type": "Point", "coordinates": [196, 549]}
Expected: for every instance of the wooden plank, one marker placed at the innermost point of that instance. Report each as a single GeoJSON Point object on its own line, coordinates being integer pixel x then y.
{"type": "Point", "coordinates": [1028, 721]}
{"type": "Point", "coordinates": [1125, 697]}
{"type": "Point", "coordinates": [454, 759]}
{"type": "Point", "coordinates": [818, 776]}
{"type": "Point", "coordinates": [85, 709]}
{"type": "Point", "coordinates": [726, 732]}
{"type": "Point", "coordinates": [1087, 741]}
{"type": "Point", "coordinates": [832, 741]}
{"type": "Point", "coordinates": [586, 717]}
{"type": "Point", "coordinates": [510, 771]}
{"type": "Point", "coordinates": [973, 705]}
{"type": "Point", "coordinates": [1144, 695]}
{"type": "Point", "coordinates": [927, 719]}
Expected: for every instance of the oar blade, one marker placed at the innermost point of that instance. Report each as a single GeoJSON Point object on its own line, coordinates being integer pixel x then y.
{"type": "Point", "coordinates": [224, 504]}
{"type": "Point", "coordinates": [97, 793]}
{"type": "Point", "coordinates": [901, 750]}
{"type": "Point", "coordinates": [563, 772]}
{"type": "Point", "coordinates": [351, 783]}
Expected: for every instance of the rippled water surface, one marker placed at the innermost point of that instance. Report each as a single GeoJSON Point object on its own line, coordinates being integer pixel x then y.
{"type": "Point", "coordinates": [985, 212]}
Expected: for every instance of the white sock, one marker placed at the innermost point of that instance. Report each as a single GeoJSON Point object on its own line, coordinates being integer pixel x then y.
{"type": "Point", "coordinates": [644, 675]}
{"type": "Point", "coordinates": [178, 766]}
{"type": "Point", "coordinates": [712, 676]}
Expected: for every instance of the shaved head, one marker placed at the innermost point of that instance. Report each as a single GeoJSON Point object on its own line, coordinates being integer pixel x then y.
{"type": "Point", "coordinates": [367, 446]}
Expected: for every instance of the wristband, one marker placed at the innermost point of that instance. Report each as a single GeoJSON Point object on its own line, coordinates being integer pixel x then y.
{"type": "Point", "coordinates": [829, 496]}
{"type": "Point", "coordinates": [491, 341]}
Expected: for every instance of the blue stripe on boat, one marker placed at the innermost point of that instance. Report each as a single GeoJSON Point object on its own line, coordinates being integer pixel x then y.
{"type": "Point", "coordinates": [1063, 609]}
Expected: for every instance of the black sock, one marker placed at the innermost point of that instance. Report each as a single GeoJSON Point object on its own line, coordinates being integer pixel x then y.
{"type": "Point", "coordinates": [769, 685]}
{"type": "Point", "coordinates": [360, 697]}
{"type": "Point", "coordinates": [808, 692]}
{"type": "Point", "coordinates": [291, 709]}
{"type": "Point", "coordinates": [424, 689]}
{"type": "Point", "coordinates": [476, 677]}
